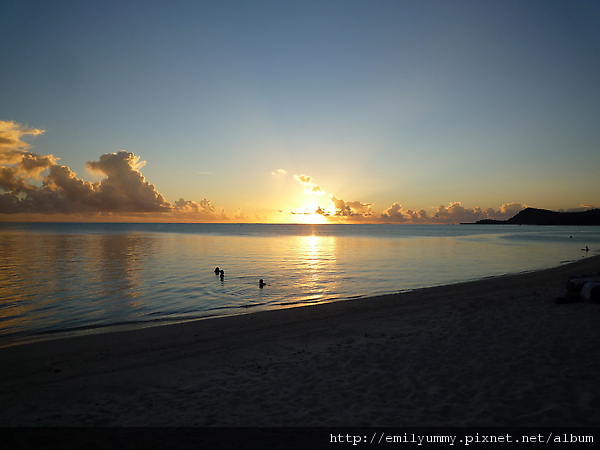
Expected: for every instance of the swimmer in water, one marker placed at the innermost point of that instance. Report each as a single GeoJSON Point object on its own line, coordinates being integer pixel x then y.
{"type": "Point", "coordinates": [222, 272]}
{"type": "Point", "coordinates": [261, 283]}
{"type": "Point", "coordinates": [217, 271]}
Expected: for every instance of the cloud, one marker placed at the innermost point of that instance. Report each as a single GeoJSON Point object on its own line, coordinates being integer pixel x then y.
{"type": "Point", "coordinates": [582, 207]}
{"type": "Point", "coordinates": [308, 184]}
{"type": "Point", "coordinates": [394, 214]}
{"type": "Point", "coordinates": [202, 209]}
{"type": "Point", "coordinates": [37, 184]}
{"type": "Point", "coordinates": [322, 212]}
{"type": "Point", "coordinates": [12, 146]}
{"type": "Point", "coordinates": [240, 216]}
{"type": "Point", "coordinates": [14, 151]}
{"type": "Point", "coordinates": [123, 190]}
{"type": "Point", "coordinates": [33, 183]}
{"type": "Point", "coordinates": [456, 213]}
{"type": "Point", "coordinates": [358, 211]}
{"type": "Point", "coordinates": [351, 209]}
{"type": "Point", "coordinates": [453, 213]}
{"type": "Point", "coordinates": [507, 210]}
{"type": "Point", "coordinates": [303, 179]}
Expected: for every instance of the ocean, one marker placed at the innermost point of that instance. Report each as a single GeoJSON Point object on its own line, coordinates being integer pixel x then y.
{"type": "Point", "coordinates": [59, 279]}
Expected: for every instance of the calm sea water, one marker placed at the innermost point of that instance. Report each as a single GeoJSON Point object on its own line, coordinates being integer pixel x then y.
{"type": "Point", "coordinates": [57, 278]}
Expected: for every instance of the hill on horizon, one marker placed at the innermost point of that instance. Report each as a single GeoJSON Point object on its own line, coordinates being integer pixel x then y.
{"type": "Point", "coordinates": [536, 216]}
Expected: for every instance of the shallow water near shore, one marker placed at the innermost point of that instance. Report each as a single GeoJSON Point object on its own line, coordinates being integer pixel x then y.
{"type": "Point", "coordinates": [57, 278]}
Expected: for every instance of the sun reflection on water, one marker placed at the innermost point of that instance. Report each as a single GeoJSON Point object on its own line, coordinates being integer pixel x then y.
{"type": "Point", "coordinates": [317, 258]}
{"type": "Point", "coordinates": [54, 280]}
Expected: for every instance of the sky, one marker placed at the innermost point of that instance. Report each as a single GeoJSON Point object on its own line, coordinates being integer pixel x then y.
{"type": "Point", "coordinates": [298, 111]}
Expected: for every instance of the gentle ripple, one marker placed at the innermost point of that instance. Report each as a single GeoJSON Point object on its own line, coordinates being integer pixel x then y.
{"type": "Point", "coordinates": [57, 277]}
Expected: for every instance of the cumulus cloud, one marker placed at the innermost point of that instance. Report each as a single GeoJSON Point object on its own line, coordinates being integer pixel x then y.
{"type": "Point", "coordinates": [202, 209]}
{"type": "Point", "coordinates": [37, 183]}
{"type": "Point", "coordinates": [357, 211]}
{"type": "Point", "coordinates": [351, 209]}
{"type": "Point", "coordinates": [12, 146]}
{"type": "Point", "coordinates": [14, 152]}
{"type": "Point", "coordinates": [303, 179]}
{"type": "Point", "coordinates": [453, 213]}
{"type": "Point", "coordinates": [240, 216]}
{"type": "Point", "coordinates": [308, 184]}
{"type": "Point", "coordinates": [33, 183]}
{"type": "Point", "coordinates": [123, 190]}
{"type": "Point", "coordinates": [507, 211]}
{"type": "Point", "coordinates": [456, 212]}
{"type": "Point", "coordinates": [394, 214]}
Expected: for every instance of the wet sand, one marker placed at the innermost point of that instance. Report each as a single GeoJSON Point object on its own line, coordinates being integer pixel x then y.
{"type": "Point", "coordinates": [494, 352]}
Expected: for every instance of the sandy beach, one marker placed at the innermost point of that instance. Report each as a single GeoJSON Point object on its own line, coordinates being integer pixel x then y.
{"type": "Point", "coordinates": [494, 352]}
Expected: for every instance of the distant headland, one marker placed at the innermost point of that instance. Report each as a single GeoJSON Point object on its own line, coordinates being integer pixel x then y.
{"type": "Point", "coordinates": [535, 216]}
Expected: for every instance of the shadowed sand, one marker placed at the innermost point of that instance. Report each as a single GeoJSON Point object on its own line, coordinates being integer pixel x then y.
{"type": "Point", "coordinates": [492, 352]}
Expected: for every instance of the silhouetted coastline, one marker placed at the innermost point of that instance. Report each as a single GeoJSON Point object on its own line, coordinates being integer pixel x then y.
{"type": "Point", "coordinates": [535, 216]}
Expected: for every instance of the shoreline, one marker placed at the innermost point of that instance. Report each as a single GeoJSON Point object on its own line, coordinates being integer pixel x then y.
{"type": "Point", "coordinates": [492, 352]}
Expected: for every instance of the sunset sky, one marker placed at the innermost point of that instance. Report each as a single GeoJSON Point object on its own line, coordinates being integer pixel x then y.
{"type": "Point", "coordinates": [298, 111]}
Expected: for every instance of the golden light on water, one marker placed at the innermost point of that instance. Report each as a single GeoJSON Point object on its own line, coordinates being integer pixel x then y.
{"type": "Point", "coordinates": [318, 256]}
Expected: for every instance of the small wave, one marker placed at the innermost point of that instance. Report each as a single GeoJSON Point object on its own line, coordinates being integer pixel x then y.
{"type": "Point", "coordinates": [253, 305]}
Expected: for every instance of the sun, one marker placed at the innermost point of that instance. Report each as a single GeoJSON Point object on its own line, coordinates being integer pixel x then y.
{"type": "Point", "coordinates": [311, 206]}
{"type": "Point", "coordinates": [310, 218]}
{"type": "Point", "coordinates": [307, 213]}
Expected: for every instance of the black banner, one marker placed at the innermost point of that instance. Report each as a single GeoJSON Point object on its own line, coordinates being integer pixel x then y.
{"type": "Point", "coordinates": [298, 438]}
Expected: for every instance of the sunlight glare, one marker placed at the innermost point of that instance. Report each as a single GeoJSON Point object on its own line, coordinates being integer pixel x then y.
{"type": "Point", "coordinates": [310, 218]}
{"type": "Point", "coordinates": [307, 214]}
